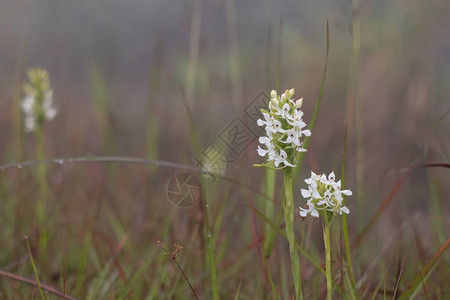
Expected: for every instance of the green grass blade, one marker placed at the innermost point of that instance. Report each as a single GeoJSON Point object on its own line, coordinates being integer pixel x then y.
{"type": "Point", "coordinates": [350, 286]}
{"type": "Point", "coordinates": [423, 280]}
{"type": "Point", "coordinates": [424, 272]}
{"type": "Point", "coordinates": [236, 296]}
{"type": "Point", "coordinates": [436, 207]}
{"type": "Point", "coordinates": [34, 269]}
{"type": "Point", "coordinates": [84, 254]}
{"type": "Point", "coordinates": [219, 217]}
{"type": "Point", "coordinates": [269, 275]}
{"type": "Point", "coordinates": [97, 285]}
{"type": "Point", "coordinates": [301, 155]}
{"type": "Point", "coordinates": [210, 258]}
{"type": "Point", "coordinates": [269, 189]}
{"type": "Point", "coordinates": [377, 288]}
{"type": "Point", "coordinates": [288, 207]}
{"type": "Point", "coordinates": [270, 174]}
{"type": "Point", "coordinates": [344, 216]}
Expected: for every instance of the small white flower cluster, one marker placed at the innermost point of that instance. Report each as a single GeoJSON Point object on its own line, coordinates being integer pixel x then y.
{"type": "Point", "coordinates": [284, 128]}
{"type": "Point", "coordinates": [324, 194]}
{"type": "Point", "coordinates": [38, 102]}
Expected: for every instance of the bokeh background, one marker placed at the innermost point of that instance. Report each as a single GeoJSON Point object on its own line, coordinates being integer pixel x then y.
{"type": "Point", "coordinates": [162, 79]}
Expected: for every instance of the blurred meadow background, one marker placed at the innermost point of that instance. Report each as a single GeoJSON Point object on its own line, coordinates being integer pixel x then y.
{"type": "Point", "coordinates": [162, 80]}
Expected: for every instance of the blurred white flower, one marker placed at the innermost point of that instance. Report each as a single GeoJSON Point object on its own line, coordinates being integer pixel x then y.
{"type": "Point", "coordinates": [285, 131]}
{"type": "Point", "coordinates": [37, 105]}
{"type": "Point", "coordinates": [324, 194]}
{"type": "Point", "coordinates": [48, 108]}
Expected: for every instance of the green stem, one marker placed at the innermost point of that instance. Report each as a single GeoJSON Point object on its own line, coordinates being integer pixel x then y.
{"type": "Point", "coordinates": [356, 66]}
{"type": "Point", "coordinates": [344, 217]}
{"type": "Point", "coordinates": [326, 240]}
{"type": "Point", "coordinates": [289, 220]}
{"type": "Point", "coordinates": [34, 269]}
{"type": "Point", "coordinates": [210, 245]}
{"type": "Point", "coordinates": [270, 234]}
{"type": "Point", "coordinates": [41, 177]}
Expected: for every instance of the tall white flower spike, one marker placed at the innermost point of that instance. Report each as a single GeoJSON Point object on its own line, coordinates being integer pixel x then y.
{"type": "Point", "coordinates": [285, 131]}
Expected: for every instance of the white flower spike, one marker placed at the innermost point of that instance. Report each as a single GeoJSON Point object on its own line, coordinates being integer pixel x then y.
{"type": "Point", "coordinates": [285, 130]}
{"type": "Point", "coordinates": [324, 195]}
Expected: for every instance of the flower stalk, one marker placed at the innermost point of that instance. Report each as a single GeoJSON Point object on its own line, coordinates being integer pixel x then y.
{"type": "Point", "coordinates": [289, 221]}
{"type": "Point", "coordinates": [37, 107]}
{"type": "Point", "coordinates": [326, 241]}
{"type": "Point", "coordinates": [284, 139]}
{"type": "Point", "coordinates": [324, 199]}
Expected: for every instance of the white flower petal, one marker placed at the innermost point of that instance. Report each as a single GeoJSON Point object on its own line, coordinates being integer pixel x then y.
{"type": "Point", "coordinates": [347, 192]}
{"type": "Point", "coordinates": [305, 193]}
{"type": "Point", "coordinates": [262, 152]}
{"type": "Point", "coordinates": [264, 140]}
{"type": "Point", "coordinates": [314, 213]}
{"type": "Point", "coordinates": [306, 132]}
{"type": "Point", "coordinates": [30, 123]}
{"type": "Point", "coordinates": [345, 210]}
{"type": "Point", "coordinates": [316, 195]}
{"type": "Point", "coordinates": [303, 212]}
{"type": "Point", "coordinates": [27, 104]}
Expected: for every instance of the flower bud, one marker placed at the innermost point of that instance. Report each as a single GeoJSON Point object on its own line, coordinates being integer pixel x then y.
{"type": "Point", "coordinates": [291, 92]}
{"type": "Point", "coordinates": [299, 103]}
{"type": "Point", "coordinates": [273, 94]}
{"type": "Point", "coordinates": [274, 101]}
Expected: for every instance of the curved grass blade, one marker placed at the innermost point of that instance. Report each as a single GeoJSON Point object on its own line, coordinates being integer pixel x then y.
{"type": "Point", "coordinates": [129, 160]}
{"type": "Point", "coordinates": [424, 272]}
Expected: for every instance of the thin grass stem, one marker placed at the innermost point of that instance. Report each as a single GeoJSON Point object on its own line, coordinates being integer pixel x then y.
{"type": "Point", "coordinates": [210, 258]}
{"type": "Point", "coordinates": [344, 217]}
{"type": "Point", "coordinates": [289, 220]}
{"type": "Point", "coordinates": [43, 193]}
{"type": "Point", "coordinates": [326, 240]}
{"type": "Point", "coordinates": [301, 155]}
{"type": "Point", "coordinates": [34, 268]}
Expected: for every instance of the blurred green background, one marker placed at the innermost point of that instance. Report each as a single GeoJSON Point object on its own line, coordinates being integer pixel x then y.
{"type": "Point", "coordinates": [162, 79]}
